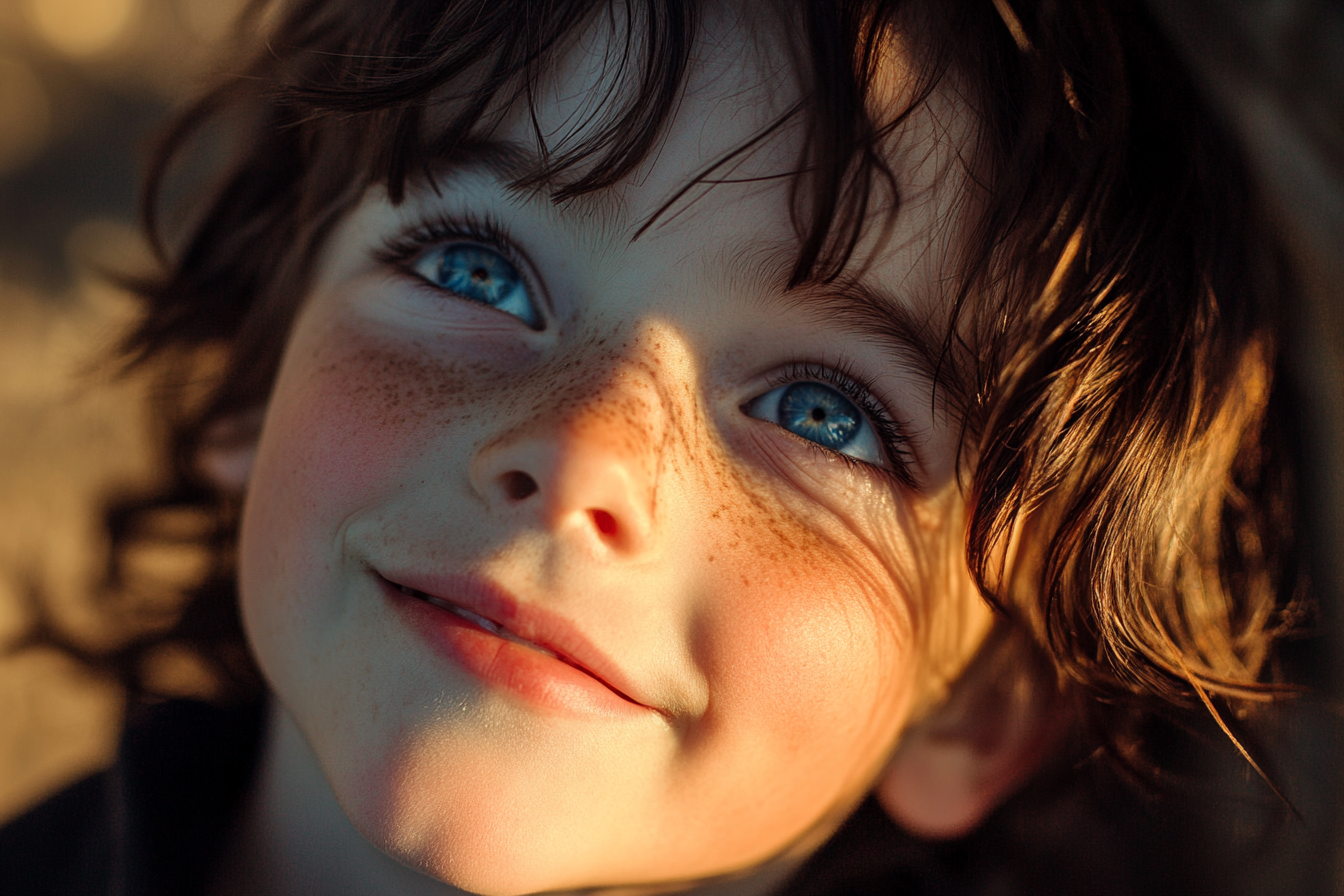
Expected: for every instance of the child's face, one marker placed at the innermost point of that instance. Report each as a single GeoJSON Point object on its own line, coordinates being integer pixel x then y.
{"type": "Point", "coordinates": [622, 460]}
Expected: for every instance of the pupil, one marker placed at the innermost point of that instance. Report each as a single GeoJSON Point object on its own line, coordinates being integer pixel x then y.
{"type": "Point", "coordinates": [819, 413]}
{"type": "Point", "coordinates": [480, 275]}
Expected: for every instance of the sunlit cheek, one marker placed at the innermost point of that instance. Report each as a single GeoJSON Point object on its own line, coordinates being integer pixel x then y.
{"type": "Point", "coordinates": [930, 541]}
{"type": "Point", "coordinates": [808, 643]}
{"type": "Point", "coordinates": [917, 539]}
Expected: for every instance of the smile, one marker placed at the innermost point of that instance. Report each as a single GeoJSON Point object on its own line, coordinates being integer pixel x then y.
{"type": "Point", "coordinates": [492, 627]}
{"type": "Point", "coordinates": [523, 650]}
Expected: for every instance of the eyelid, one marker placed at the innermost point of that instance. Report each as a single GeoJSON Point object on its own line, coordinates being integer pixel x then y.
{"type": "Point", "coordinates": [441, 229]}
{"type": "Point", "coordinates": [891, 433]}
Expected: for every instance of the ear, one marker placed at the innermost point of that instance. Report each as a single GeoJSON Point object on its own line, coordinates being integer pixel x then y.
{"type": "Point", "coordinates": [229, 448]}
{"type": "Point", "coordinates": [1004, 718]}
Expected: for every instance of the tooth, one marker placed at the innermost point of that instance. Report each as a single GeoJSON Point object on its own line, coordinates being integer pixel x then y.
{"type": "Point", "coordinates": [481, 621]}
{"type": "Point", "coordinates": [487, 624]}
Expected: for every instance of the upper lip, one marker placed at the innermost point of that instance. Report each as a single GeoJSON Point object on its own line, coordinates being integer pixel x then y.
{"type": "Point", "coordinates": [528, 622]}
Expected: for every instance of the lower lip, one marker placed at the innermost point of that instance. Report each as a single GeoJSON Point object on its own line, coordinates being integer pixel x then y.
{"type": "Point", "coordinates": [537, 679]}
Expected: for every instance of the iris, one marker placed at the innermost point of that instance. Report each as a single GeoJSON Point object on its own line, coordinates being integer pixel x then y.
{"type": "Point", "coordinates": [482, 275]}
{"type": "Point", "coordinates": [820, 414]}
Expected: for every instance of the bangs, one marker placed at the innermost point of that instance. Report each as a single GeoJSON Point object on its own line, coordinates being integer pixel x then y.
{"type": "Point", "coordinates": [397, 89]}
{"type": "Point", "coordinates": [414, 83]}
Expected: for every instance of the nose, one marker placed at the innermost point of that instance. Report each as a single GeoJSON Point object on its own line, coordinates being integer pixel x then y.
{"type": "Point", "coordinates": [584, 466]}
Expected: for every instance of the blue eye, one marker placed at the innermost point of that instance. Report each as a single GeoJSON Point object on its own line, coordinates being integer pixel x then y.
{"type": "Point", "coordinates": [821, 414]}
{"type": "Point", "coordinates": [479, 274]}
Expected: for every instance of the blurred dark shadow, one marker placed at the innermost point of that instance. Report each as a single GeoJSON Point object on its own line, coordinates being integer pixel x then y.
{"type": "Point", "coordinates": [1276, 67]}
{"type": "Point", "coordinates": [83, 84]}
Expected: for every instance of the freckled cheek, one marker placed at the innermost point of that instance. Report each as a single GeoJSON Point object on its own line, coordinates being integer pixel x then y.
{"type": "Point", "coordinates": [349, 424]}
{"type": "Point", "coordinates": [348, 427]}
{"type": "Point", "coordinates": [803, 652]}
{"type": "Point", "coordinates": [333, 441]}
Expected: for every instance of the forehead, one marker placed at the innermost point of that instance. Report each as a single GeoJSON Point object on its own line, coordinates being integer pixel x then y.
{"type": "Point", "coordinates": [737, 137]}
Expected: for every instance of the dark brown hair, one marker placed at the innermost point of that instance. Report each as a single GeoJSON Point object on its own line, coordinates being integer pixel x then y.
{"type": "Point", "coordinates": [1111, 352]}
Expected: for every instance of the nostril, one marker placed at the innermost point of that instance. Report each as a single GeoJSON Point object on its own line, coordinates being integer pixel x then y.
{"type": "Point", "coordinates": [604, 521]}
{"type": "Point", "coordinates": [518, 485]}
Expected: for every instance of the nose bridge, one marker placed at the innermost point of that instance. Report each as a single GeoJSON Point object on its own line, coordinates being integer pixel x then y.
{"type": "Point", "coordinates": [591, 451]}
{"type": "Point", "coordinates": [613, 424]}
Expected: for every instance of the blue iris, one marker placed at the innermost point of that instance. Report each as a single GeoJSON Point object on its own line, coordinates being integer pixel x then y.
{"type": "Point", "coordinates": [820, 414]}
{"type": "Point", "coordinates": [482, 275]}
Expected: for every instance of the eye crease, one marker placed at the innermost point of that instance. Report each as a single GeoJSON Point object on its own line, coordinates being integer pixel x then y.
{"type": "Point", "coordinates": [822, 415]}
{"type": "Point", "coordinates": [479, 274]}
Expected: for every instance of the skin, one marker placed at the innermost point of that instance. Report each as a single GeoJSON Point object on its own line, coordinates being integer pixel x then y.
{"type": "Point", "coordinates": [778, 611]}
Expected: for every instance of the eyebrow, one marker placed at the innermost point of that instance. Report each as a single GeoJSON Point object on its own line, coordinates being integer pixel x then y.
{"type": "Point", "coordinates": [511, 162]}
{"type": "Point", "coordinates": [882, 318]}
{"type": "Point", "coordinates": [850, 302]}
{"type": "Point", "coordinates": [507, 160]}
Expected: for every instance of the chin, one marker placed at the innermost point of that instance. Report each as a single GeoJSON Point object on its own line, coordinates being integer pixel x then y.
{"type": "Point", "coordinates": [475, 823]}
{"type": "Point", "coordinates": [453, 840]}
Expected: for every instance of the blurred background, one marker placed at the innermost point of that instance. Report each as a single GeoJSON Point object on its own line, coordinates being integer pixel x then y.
{"type": "Point", "coordinates": [83, 85]}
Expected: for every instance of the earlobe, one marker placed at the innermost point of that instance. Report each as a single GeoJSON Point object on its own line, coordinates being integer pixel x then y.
{"type": "Point", "coordinates": [1004, 718]}
{"type": "Point", "coordinates": [229, 448]}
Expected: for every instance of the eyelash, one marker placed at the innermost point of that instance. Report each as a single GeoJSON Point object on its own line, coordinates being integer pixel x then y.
{"type": "Point", "coordinates": [859, 390]}
{"type": "Point", "coordinates": [398, 251]}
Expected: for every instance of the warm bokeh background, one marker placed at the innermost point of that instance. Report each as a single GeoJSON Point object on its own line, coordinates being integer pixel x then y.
{"type": "Point", "coordinates": [83, 83]}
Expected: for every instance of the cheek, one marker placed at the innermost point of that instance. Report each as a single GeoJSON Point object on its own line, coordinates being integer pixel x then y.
{"type": "Point", "coordinates": [353, 418]}
{"type": "Point", "coordinates": [349, 426]}
{"type": "Point", "coordinates": [808, 601]}
{"type": "Point", "coordinates": [811, 636]}
{"type": "Point", "coordinates": [809, 647]}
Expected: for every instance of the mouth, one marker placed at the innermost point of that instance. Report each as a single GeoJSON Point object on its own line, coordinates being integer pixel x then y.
{"type": "Point", "coordinates": [489, 625]}
{"type": "Point", "coordinates": [511, 646]}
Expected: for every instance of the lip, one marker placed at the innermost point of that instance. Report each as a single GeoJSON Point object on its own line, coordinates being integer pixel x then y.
{"type": "Point", "coordinates": [555, 668]}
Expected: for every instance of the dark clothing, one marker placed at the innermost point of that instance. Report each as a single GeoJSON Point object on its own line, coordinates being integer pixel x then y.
{"type": "Point", "coordinates": [150, 824]}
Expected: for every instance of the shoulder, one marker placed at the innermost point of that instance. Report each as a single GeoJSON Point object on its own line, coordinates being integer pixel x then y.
{"type": "Point", "coordinates": [151, 822]}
